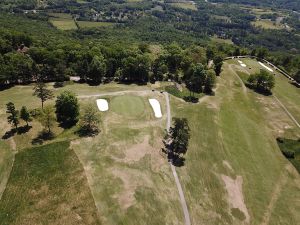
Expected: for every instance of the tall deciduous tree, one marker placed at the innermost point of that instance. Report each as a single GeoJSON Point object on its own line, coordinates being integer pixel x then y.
{"type": "Point", "coordinates": [48, 118]}
{"type": "Point", "coordinates": [176, 141]}
{"type": "Point", "coordinates": [67, 109]}
{"type": "Point", "coordinates": [197, 80]}
{"type": "Point", "coordinates": [209, 82]}
{"type": "Point", "coordinates": [218, 61]}
{"type": "Point", "coordinates": [25, 115]}
{"type": "Point", "coordinates": [41, 91]}
{"type": "Point", "coordinates": [262, 81]}
{"type": "Point", "coordinates": [97, 69]}
{"type": "Point", "coordinates": [89, 122]}
{"type": "Point", "coordinates": [13, 117]}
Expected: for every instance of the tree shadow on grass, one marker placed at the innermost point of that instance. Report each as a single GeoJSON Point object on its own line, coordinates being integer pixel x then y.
{"type": "Point", "coordinates": [176, 160]}
{"type": "Point", "coordinates": [259, 90]}
{"type": "Point", "coordinates": [87, 132]}
{"type": "Point", "coordinates": [9, 134]}
{"type": "Point", "coordinates": [13, 131]}
{"type": "Point", "coordinates": [24, 129]}
{"type": "Point", "coordinates": [191, 99]}
{"type": "Point", "coordinates": [42, 136]}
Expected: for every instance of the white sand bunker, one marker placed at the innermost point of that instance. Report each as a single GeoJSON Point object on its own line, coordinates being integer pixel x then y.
{"type": "Point", "coordinates": [242, 64]}
{"type": "Point", "coordinates": [263, 65]}
{"type": "Point", "coordinates": [102, 105]}
{"type": "Point", "coordinates": [156, 107]}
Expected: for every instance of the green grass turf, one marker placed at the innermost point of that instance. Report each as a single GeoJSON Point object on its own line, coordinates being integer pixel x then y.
{"type": "Point", "coordinates": [62, 21]}
{"type": "Point", "coordinates": [230, 126]}
{"type": "Point", "coordinates": [47, 186]}
{"type": "Point", "coordinates": [89, 24]}
{"type": "Point", "coordinates": [64, 24]}
{"type": "Point", "coordinates": [128, 105]}
{"type": "Point", "coordinates": [292, 146]}
{"type": "Point", "coordinates": [6, 160]}
{"type": "Point", "coordinates": [171, 89]}
{"type": "Point", "coordinates": [287, 93]}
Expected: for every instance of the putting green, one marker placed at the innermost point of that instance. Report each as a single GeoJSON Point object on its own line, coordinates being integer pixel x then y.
{"type": "Point", "coordinates": [128, 105]}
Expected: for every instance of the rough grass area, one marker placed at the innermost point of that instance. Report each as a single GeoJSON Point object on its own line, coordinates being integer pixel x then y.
{"type": "Point", "coordinates": [130, 179]}
{"type": "Point", "coordinates": [293, 146]}
{"type": "Point", "coordinates": [184, 93]}
{"type": "Point", "coordinates": [47, 186]}
{"type": "Point", "coordinates": [231, 137]}
{"type": "Point", "coordinates": [90, 24]}
{"type": "Point", "coordinates": [6, 161]}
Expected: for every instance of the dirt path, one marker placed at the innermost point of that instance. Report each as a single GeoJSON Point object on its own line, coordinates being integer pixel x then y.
{"type": "Point", "coordinates": [180, 191]}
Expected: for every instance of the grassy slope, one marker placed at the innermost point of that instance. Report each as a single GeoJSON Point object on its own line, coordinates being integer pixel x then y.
{"type": "Point", "coordinates": [286, 92]}
{"type": "Point", "coordinates": [47, 186]}
{"type": "Point", "coordinates": [131, 182]}
{"type": "Point", "coordinates": [230, 127]}
{"type": "Point", "coordinates": [290, 145]}
{"type": "Point", "coordinates": [215, 128]}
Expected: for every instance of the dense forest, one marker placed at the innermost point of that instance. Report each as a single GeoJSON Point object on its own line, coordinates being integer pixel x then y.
{"type": "Point", "coordinates": [32, 48]}
{"type": "Point", "coordinates": [286, 4]}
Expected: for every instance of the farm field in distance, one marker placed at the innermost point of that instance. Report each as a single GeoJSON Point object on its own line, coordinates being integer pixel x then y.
{"type": "Point", "coordinates": [62, 21]}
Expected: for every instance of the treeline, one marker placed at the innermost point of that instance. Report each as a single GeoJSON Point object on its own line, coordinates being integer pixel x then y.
{"type": "Point", "coordinates": [94, 63]}
{"type": "Point", "coordinates": [281, 4]}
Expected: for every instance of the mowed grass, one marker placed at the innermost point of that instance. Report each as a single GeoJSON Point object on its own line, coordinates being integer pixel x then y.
{"type": "Point", "coordinates": [128, 105]}
{"type": "Point", "coordinates": [47, 185]}
{"type": "Point", "coordinates": [90, 24]}
{"type": "Point", "coordinates": [230, 135]}
{"type": "Point", "coordinates": [287, 93]}
{"type": "Point", "coordinates": [290, 145]}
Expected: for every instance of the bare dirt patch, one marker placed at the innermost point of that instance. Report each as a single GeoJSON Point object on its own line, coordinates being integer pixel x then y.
{"type": "Point", "coordinates": [234, 189]}
{"type": "Point", "coordinates": [131, 180]}
{"type": "Point", "coordinates": [136, 152]}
